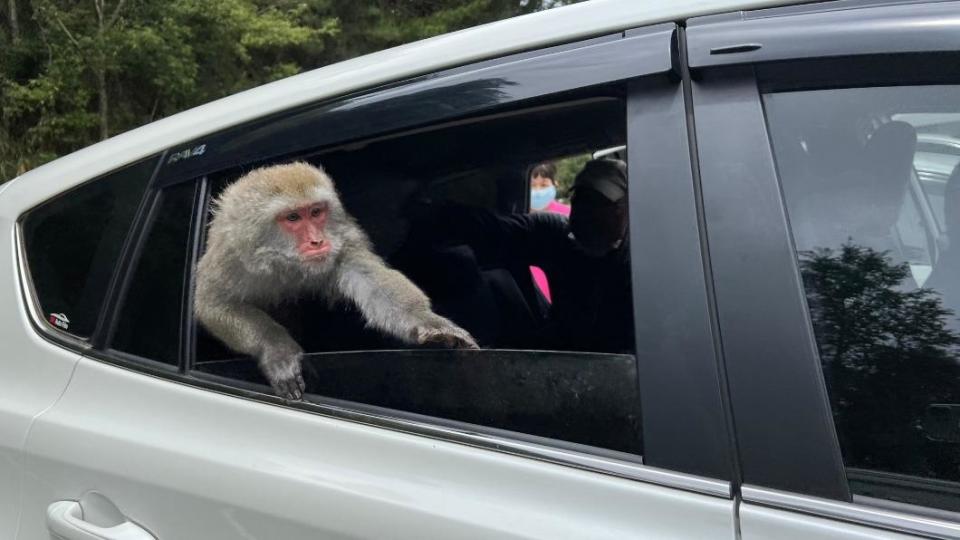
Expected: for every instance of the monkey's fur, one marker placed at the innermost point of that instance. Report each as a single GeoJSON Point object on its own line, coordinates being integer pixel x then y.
{"type": "Point", "coordinates": [251, 265]}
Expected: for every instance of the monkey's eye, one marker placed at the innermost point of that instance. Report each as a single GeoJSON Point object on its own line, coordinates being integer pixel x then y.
{"type": "Point", "coordinates": [316, 211]}
{"type": "Point", "coordinates": [293, 216]}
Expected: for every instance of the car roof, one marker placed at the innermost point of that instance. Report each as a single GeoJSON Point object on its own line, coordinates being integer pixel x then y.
{"type": "Point", "coordinates": [532, 31]}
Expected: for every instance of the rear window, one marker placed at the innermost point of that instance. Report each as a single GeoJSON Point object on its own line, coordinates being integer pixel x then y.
{"type": "Point", "coordinates": [74, 241]}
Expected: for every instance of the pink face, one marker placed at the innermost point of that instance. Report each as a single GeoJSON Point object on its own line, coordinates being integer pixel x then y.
{"type": "Point", "coordinates": [306, 225]}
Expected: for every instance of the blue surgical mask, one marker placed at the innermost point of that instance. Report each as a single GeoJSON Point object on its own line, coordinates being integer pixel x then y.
{"type": "Point", "coordinates": [540, 198]}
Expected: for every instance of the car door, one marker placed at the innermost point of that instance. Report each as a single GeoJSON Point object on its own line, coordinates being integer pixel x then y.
{"type": "Point", "coordinates": [29, 384]}
{"type": "Point", "coordinates": [838, 338]}
{"type": "Point", "coordinates": [161, 433]}
{"type": "Point", "coordinates": [35, 370]}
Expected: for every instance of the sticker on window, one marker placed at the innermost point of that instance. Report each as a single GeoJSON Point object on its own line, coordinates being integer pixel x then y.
{"type": "Point", "coordinates": [60, 320]}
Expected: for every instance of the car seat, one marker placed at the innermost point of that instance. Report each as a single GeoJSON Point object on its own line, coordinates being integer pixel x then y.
{"type": "Point", "coordinates": [855, 195]}
{"type": "Point", "coordinates": [945, 276]}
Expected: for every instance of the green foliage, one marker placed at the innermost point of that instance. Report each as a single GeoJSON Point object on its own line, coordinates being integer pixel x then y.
{"type": "Point", "coordinates": [87, 70]}
{"type": "Point", "coordinates": [378, 24]}
{"type": "Point", "coordinates": [83, 70]}
{"type": "Point", "coordinates": [567, 169]}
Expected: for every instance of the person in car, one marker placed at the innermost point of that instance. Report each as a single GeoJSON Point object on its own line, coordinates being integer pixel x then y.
{"type": "Point", "coordinates": [543, 198]}
{"type": "Point", "coordinates": [586, 257]}
{"type": "Point", "coordinates": [543, 190]}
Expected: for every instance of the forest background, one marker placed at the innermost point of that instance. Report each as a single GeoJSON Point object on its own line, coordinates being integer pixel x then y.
{"type": "Point", "coordinates": [73, 72]}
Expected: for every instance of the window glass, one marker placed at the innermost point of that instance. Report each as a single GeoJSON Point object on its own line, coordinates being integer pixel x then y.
{"type": "Point", "coordinates": [449, 208]}
{"type": "Point", "coordinates": [870, 180]}
{"type": "Point", "coordinates": [149, 322]}
{"type": "Point", "coordinates": [937, 154]}
{"type": "Point", "coordinates": [73, 243]}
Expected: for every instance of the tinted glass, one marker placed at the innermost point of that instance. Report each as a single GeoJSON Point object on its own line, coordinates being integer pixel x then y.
{"type": "Point", "coordinates": [149, 322]}
{"type": "Point", "coordinates": [456, 221]}
{"type": "Point", "coordinates": [871, 184]}
{"type": "Point", "coordinates": [74, 241]}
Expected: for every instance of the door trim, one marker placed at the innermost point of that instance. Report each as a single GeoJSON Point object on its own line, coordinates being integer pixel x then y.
{"type": "Point", "coordinates": [853, 513]}
{"type": "Point", "coordinates": [824, 30]}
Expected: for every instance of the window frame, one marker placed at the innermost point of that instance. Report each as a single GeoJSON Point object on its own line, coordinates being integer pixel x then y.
{"type": "Point", "coordinates": [773, 361]}
{"type": "Point", "coordinates": [406, 104]}
{"type": "Point", "coordinates": [646, 57]}
{"type": "Point", "coordinates": [126, 271]}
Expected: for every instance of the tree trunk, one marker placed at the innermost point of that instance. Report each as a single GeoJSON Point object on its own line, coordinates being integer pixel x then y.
{"type": "Point", "coordinates": [102, 90]}
{"type": "Point", "coordinates": [14, 25]}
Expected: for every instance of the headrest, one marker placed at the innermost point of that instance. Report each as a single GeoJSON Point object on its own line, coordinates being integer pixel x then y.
{"type": "Point", "coordinates": [605, 176]}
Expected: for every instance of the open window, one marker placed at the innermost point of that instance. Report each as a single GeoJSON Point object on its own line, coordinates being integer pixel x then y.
{"type": "Point", "coordinates": [447, 205]}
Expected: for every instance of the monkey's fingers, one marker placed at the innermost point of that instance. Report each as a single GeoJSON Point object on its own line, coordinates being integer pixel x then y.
{"type": "Point", "coordinates": [280, 389]}
{"type": "Point", "coordinates": [299, 385]}
{"type": "Point", "coordinates": [289, 388]}
{"type": "Point", "coordinates": [295, 387]}
{"type": "Point", "coordinates": [460, 339]}
{"type": "Point", "coordinates": [292, 391]}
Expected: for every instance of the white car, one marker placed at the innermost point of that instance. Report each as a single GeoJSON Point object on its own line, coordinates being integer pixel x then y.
{"type": "Point", "coordinates": [784, 375]}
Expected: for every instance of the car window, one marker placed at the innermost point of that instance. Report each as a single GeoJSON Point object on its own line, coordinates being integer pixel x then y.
{"type": "Point", "coordinates": [937, 155]}
{"type": "Point", "coordinates": [148, 324]}
{"type": "Point", "coordinates": [881, 276]}
{"type": "Point", "coordinates": [455, 221]}
{"type": "Point", "coordinates": [73, 243]}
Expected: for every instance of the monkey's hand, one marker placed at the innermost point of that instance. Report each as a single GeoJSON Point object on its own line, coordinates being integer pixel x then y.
{"type": "Point", "coordinates": [282, 368]}
{"type": "Point", "coordinates": [443, 333]}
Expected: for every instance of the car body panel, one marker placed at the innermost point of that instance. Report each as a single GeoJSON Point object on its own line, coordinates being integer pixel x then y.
{"type": "Point", "coordinates": [185, 462]}
{"type": "Point", "coordinates": [758, 522]}
{"type": "Point", "coordinates": [783, 414]}
{"type": "Point", "coordinates": [34, 371]}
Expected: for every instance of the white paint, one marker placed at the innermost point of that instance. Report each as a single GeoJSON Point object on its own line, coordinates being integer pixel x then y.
{"type": "Point", "coordinates": [761, 523]}
{"type": "Point", "coordinates": [187, 463]}
{"type": "Point", "coordinates": [33, 373]}
{"type": "Point", "coordinates": [66, 520]}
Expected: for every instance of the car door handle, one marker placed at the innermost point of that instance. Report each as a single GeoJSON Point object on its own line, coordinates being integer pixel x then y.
{"type": "Point", "coordinates": [65, 521]}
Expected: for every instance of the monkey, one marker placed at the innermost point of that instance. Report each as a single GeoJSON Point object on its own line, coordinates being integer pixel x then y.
{"type": "Point", "coordinates": [281, 232]}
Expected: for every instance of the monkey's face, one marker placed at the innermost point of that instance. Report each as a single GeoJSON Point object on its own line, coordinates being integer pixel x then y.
{"type": "Point", "coordinates": [307, 227]}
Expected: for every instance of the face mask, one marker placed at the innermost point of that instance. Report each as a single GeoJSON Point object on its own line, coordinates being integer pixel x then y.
{"type": "Point", "coordinates": [540, 198]}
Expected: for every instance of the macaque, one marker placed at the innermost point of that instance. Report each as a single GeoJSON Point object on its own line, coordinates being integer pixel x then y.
{"type": "Point", "coordinates": [281, 233]}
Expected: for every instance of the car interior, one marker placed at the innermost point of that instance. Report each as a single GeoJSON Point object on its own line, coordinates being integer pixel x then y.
{"type": "Point", "coordinates": [478, 162]}
{"type": "Point", "coordinates": [862, 166]}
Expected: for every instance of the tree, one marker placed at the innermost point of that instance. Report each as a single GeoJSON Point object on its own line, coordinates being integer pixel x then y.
{"type": "Point", "coordinates": [96, 47]}
{"type": "Point", "coordinates": [77, 72]}
{"type": "Point", "coordinates": [378, 24]}
{"type": "Point", "coordinates": [14, 22]}
{"type": "Point", "coordinates": [96, 68]}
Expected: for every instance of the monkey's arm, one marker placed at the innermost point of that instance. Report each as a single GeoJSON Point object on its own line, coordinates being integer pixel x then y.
{"type": "Point", "coordinates": [393, 304]}
{"type": "Point", "coordinates": [249, 330]}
